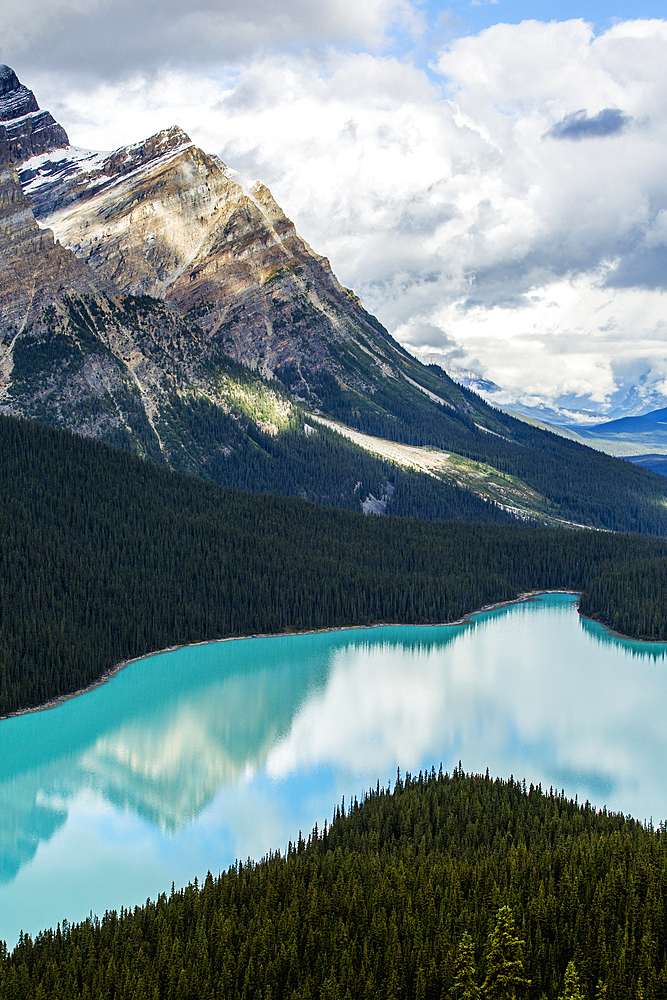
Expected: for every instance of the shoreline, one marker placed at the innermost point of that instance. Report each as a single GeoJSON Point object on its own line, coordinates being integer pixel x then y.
{"type": "Point", "coordinates": [116, 669]}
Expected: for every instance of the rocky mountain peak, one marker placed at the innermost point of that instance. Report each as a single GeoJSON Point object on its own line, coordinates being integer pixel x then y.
{"type": "Point", "coordinates": [167, 140]}
{"type": "Point", "coordinates": [128, 158]}
{"type": "Point", "coordinates": [262, 196]}
{"type": "Point", "coordinates": [25, 131]}
{"type": "Point", "coordinates": [8, 80]}
{"type": "Point", "coordinates": [16, 101]}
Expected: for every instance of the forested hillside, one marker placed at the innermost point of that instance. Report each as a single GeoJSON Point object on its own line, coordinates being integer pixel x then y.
{"type": "Point", "coordinates": [311, 462]}
{"type": "Point", "coordinates": [585, 485]}
{"type": "Point", "coordinates": [104, 557]}
{"type": "Point", "coordinates": [631, 598]}
{"type": "Point", "coordinates": [444, 886]}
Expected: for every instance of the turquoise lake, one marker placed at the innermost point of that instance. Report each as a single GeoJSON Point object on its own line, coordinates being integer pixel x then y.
{"type": "Point", "coordinates": [190, 759]}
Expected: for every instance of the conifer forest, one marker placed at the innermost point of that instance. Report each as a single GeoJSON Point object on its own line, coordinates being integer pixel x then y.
{"type": "Point", "coordinates": [106, 557]}
{"type": "Point", "coordinates": [448, 886]}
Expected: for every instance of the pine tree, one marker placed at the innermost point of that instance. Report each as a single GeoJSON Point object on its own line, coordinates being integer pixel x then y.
{"type": "Point", "coordinates": [504, 965]}
{"type": "Point", "coordinates": [572, 990]}
{"type": "Point", "coordinates": [465, 987]}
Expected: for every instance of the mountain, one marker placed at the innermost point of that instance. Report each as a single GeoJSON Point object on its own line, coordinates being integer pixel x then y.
{"type": "Point", "coordinates": [648, 426]}
{"type": "Point", "coordinates": [639, 439]}
{"type": "Point", "coordinates": [656, 463]}
{"type": "Point", "coordinates": [626, 444]}
{"type": "Point", "coordinates": [150, 301]}
{"type": "Point", "coordinates": [163, 218]}
{"type": "Point", "coordinates": [642, 440]}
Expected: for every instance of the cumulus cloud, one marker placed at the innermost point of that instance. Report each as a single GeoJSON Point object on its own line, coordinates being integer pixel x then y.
{"type": "Point", "coordinates": [539, 263]}
{"type": "Point", "coordinates": [578, 125]}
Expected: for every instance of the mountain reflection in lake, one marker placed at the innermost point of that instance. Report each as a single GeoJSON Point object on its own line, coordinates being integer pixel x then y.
{"type": "Point", "coordinates": [190, 759]}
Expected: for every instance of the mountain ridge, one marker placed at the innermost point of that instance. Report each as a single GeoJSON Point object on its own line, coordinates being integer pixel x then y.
{"type": "Point", "coordinates": [160, 307]}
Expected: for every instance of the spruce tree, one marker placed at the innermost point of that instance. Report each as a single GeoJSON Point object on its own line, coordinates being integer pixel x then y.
{"type": "Point", "coordinates": [572, 986]}
{"type": "Point", "coordinates": [465, 987]}
{"type": "Point", "coordinates": [504, 966]}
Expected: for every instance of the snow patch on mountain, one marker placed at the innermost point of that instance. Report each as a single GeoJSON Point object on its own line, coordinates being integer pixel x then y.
{"type": "Point", "coordinates": [54, 180]}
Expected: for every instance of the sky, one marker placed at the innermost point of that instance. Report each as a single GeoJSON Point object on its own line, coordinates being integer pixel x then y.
{"type": "Point", "coordinates": [490, 178]}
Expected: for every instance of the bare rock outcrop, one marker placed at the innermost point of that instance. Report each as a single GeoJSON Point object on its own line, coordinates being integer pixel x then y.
{"type": "Point", "coordinates": [25, 130]}
{"type": "Point", "coordinates": [34, 268]}
{"type": "Point", "coordinates": [166, 219]}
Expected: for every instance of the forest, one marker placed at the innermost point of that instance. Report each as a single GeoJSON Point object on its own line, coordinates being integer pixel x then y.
{"type": "Point", "coordinates": [585, 485]}
{"type": "Point", "coordinates": [323, 467]}
{"type": "Point", "coordinates": [105, 557]}
{"type": "Point", "coordinates": [446, 886]}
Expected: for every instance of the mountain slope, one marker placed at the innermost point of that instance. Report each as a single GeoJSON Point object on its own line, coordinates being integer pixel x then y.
{"type": "Point", "coordinates": [172, 276]}
{"type": "Point", "coordinates": [656, 463]}
{"type": "Point", "coordinates": [644, 434]}
{"type": "Point", "coordinates": [131, 371]}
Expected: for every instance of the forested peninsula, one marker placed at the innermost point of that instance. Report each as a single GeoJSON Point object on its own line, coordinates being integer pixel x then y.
{"type": "Point", "coordinates": [105, 557]}
{"type": "Point", "coordinates": [446, 887]}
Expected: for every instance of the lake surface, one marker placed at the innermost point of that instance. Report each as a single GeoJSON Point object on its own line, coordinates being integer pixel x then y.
{"type": "Point", "coordinates": [188, 760]}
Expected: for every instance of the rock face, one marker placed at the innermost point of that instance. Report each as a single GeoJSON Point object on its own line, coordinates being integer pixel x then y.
{"type": "Point", "coordinates": [25, 131]}
{"type": "Point", "coordinates": [34, 269]}
{"type": "Point", "coordinates": [165, 219]}
{"type": "Point", "coordinates": [77, 353]}
{"type": "Point", "coordinates": [77, 350]}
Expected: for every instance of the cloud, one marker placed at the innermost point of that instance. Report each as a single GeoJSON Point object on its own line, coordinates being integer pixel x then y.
{"type": "Point", "coordinates": [113, 38]}
{"type": "Point", "coordinates": [540, 264]}
{"type": "Point", "coordinates": [577, 125]}
{"type": "Point", "coordinates": [574, 343]}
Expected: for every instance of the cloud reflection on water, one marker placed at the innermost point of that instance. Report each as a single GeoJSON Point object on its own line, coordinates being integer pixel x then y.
{"type": "Point", "coordinates": [188, 760]}
{"type": "Point", "coordinates": [546, 696]}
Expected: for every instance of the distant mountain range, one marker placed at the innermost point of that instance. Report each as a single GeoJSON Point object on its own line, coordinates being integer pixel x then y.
{"type": "Point", "coordinates": [148, 300]}
{"type": "Point", "coordinates": [641, 439]}
{"type": "Point", "coordinates": [646, 425]}
{"type": "Point", "coordinates": [632, 401]}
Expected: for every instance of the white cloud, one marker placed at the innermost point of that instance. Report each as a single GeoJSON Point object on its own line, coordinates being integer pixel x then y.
{"type": "Point", "coordinates": [449, 202]}
{"type": "Point", "coordinates": [575, 339]}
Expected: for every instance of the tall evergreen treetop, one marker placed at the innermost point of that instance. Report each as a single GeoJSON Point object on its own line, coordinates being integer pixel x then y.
{"type": "Point", "coordinates": [505, 978]}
